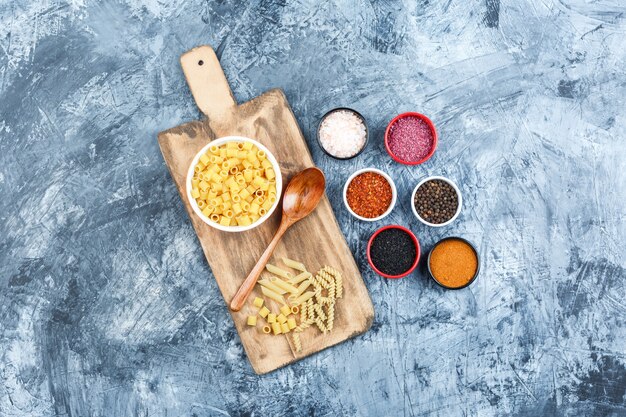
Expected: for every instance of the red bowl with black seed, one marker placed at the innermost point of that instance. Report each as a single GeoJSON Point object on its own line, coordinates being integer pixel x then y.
{"type": "Point", "coordinates": [411, 132]}
{"type": "Point", "coordinates": [411, 263]}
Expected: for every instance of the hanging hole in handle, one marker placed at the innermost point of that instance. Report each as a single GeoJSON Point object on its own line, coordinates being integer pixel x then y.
{"type": "Point", "coordinates": [201, 62]}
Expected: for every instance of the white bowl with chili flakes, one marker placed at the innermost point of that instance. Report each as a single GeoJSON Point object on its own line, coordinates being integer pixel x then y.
{"type": "Point", "coordinates": [369, 194]}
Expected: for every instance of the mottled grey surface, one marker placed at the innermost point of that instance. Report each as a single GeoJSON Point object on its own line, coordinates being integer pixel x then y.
{"type": "Point", "coordinates": [108, 308]}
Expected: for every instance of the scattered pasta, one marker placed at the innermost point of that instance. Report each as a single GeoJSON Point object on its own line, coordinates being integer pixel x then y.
{"type": "Point", "coordinates": [305, 300]}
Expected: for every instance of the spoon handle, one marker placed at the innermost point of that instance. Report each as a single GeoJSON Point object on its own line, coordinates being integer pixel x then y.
{"type": "Point", "coordinates": [246, 288]}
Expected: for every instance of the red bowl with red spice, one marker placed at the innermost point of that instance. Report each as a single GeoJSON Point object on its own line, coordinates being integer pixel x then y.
{"type": "Point", "coordinates": [393, 251]}
{"type": "Point", "coordinates": [411, 138]}
{"type": "Point", "coordinates": [369, 194]}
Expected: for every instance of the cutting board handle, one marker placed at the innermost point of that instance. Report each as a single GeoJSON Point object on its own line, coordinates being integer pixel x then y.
{"type": "Point", "coordinates": [208, 83]}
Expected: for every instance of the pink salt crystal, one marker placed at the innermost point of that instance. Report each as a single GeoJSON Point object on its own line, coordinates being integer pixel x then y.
{"type": "Point", "coordinates": [410, 139]}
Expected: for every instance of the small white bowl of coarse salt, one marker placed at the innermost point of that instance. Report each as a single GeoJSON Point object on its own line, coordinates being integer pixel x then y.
{"type": "Point", "coordinates": [342, 133]}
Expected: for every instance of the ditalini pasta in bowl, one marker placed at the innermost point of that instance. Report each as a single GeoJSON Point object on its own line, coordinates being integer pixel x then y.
{"type": "Point", "coordinates": [234, 184]}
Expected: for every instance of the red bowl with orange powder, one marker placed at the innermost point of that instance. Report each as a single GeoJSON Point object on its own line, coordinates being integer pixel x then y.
{"type": "Point", "coordinates": [453, 263]}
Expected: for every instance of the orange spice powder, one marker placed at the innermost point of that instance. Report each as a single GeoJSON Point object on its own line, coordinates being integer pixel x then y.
{"type": "Point", "coordinates": [453, 263]}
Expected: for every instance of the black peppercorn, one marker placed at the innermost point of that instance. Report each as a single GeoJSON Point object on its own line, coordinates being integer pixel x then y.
{"type": "Point", "coordinates": [436, 201]}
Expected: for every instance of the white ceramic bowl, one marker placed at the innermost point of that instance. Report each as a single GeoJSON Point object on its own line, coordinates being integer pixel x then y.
{"type": "Point", "coordinates": [394, 194]}
{"type": "Point", "coordinates": [269, 156]}
{"type": "Point", "coordinates": [458, 209]}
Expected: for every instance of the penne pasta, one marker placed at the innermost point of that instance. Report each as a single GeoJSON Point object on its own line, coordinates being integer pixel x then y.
{"type": "Point", "coordinates": [273, 295]}
{"type": "Point", "coordinates": [278, 271]}
{"type": "Point", "coordinates": [263, 312]}
{"type": "Point", "coordinates": [301, 288]}
{"type": "Point", "coordinates": [300, 277]}
{"type": "Point", "coordinates": [294, 264]}
{"type": "Point", "coordinates": [283, 285]}
{"type": "Point", "coordinates": [268, 284]}
{"type": "Point", "coordinates": [301, 299]}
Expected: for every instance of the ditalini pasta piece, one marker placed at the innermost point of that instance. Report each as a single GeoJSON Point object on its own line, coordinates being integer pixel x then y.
{"type": "Point", "coordinates": [300, 277]}
{"type": "Point", "coordinates": [283, 285]}
{"type": "Point", "coordinates": [258, 302]}
{"type": "Point", "coordinates": [281, 318]}
{"type": "Point", "coordinates": [285, 310]}
{"type": "Point", "coordinates": [251, 320]}
{"type": "Point", "coordinates": [295, 309]}
{"type": "Point", "coordinates": [263, 312]}
{"type": "Point", "coordinates": [291, 322]}
{"type": "Point", "coordinates": [285, 328]}
{"type": "Point", "coordinates": [278, 271]}
{"type": "Point", "coordinates": [294, 264]}
{"type": "Point", "coordinates": [276, 328]}
{"type": "Point", "coordinates": [267, 329]}
{"type": "Point", "coordinates": [273, 295]}
{"type": "Point", "coordinates": [271, 318]}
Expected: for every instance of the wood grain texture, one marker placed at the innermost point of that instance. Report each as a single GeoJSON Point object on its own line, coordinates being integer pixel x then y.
{"type": "Point", "coordinates": [316, 240]}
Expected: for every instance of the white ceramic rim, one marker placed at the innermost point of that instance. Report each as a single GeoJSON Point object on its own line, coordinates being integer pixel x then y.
{"type": "Point", "coordinates": [394, 194]}
{"type": "Point", "coordinates": [221, 141]}
{"type": "Point", "coordinates": [458, 193]}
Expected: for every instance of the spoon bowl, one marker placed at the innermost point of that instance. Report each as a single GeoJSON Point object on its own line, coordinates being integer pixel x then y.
{"type": "Point", "coordinates": [302, 195]}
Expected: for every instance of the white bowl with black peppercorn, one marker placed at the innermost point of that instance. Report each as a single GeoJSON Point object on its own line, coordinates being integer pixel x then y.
{"type": "Point", "coordinates": [436, 201]}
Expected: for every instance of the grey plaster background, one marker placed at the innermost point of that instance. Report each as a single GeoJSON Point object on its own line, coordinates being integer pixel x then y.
{"type": "Point", "coordinates": [108, 308]}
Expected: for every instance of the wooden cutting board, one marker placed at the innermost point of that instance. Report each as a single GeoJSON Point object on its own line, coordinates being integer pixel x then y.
{"type": "Point", "coordinates": [316, 240]}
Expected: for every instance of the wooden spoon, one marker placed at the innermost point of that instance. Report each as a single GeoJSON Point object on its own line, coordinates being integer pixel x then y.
{"type": "Point", "coordinates": [303, 193]}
